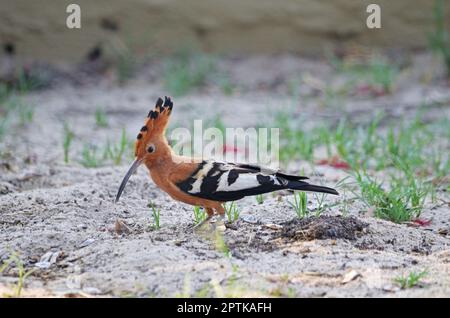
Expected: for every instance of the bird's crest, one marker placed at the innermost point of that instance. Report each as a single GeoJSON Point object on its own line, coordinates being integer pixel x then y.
{"type": "Point", "coordinates": [156, 122]}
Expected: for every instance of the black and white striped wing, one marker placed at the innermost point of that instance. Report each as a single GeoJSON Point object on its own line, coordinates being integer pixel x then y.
{"type": "Point", "coordinates": [220, 181]}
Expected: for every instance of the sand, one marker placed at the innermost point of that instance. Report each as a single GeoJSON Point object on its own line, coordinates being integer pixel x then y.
{"type": "Point", "coordinates": [60, 218]}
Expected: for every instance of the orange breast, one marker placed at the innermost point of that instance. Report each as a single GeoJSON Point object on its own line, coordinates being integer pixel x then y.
{"type": "Point", "coordinates": [166, 179]}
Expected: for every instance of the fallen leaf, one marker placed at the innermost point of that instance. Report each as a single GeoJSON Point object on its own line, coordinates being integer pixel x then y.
{"type": "Point", "coordinates": [233, 149]}
{"type": "Point", "coordinates": [121, 227]}
{"type": "Point", "coordinates": [422, 222]}
{"type": "Point", "coordinates": [334, 162]}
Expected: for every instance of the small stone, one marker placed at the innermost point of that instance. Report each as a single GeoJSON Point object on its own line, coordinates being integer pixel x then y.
{"type": "Point", "coordinates": [47, 260]}
{"type": "Point", "coordinates": [92, 291]}
{"type": "Point", "coordinates": [349, 276]}
{"type": "Point", "coordinates": [6, 187]}
{"type": "Point", "coordinates": [82, 226]}
{"type": "Point", "coordinates": [390, 288]}
{"type": "Point", "coordinates": [87, 242]}
{"type": "Point", "coordinates": [178, 242]}
{"type": "Point", "coordinates": [249, 219]}
{"type": "Point", "coordinates": [273, 226]}
{"type": "Point", "coordinates": [39, 200]}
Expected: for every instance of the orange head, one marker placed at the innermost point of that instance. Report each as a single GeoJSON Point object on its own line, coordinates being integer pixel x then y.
{"type": "Point", "coordinates": [151, 145]}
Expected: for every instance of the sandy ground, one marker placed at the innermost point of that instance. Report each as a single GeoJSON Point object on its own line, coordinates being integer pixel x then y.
{"type": "Point", "coordinates": [60, 218]}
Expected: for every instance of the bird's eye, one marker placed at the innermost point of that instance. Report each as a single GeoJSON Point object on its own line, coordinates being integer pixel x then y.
{"type": "Point", "coordinates": [151, 148]}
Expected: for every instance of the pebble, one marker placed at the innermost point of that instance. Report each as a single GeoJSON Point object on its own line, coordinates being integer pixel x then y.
{"type": "Point", "coordinates": [273, 226]}
{"type": "Point", "coordinates": [349, 276]}
{"type": "Point", "coordinates": [82, 226]}
{"type": "Point", "coordinates": [87, 242]}
{"type": "Point", "coordinates": [47, 260]}
{"type": "Point", "coordinates": [390, 288]}
{"type": "Point", "coordinates": [249, 219]}
{"type": "Point", "coordinates": [39, 200]}
{"type": "Point", "coordinates": [92, 291]}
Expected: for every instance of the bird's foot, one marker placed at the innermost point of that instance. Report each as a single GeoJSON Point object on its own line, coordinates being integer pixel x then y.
{"type": "Point", "coordinates": [211, 223]}
{"type": "Point", "coordinates": [200, 224]}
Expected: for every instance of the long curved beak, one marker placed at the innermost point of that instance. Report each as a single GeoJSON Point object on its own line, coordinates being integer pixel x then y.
{"type": "Point", "coordinates": [133, 168]}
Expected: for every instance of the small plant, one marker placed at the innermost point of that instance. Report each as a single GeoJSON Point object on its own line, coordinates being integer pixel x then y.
{"type": "Point", "coordinates": [26, 114]}
{"type": "Point", "coordinates": [293, 86]}
{"type": "Point", "coordinates": [345, 206]}
{"type": "Point", "coordinates": [221, 245]}
{"type": "Point", "coordinates": [378, 71]}
{"type": "Point", "coordinates": [439, 40]}
{"type": "Point", "coordinates": [4, 92]}
{"type": "Point", "coordinates": [320, 199]}
{"type": "Point", "coordinates": [125, 66]}
{"type": "Point", "coordinates": [259, 199]}
{"type": "Point", "coordinates": [124, 60]}
{"type": "Point", "coordinates": [414, 189]}
{"type": "Point", "coordinates": [3, 127]}
{"type": "Point", "coordinates": [382, 73]}
{"type": "Point", "coordinates": [232, 211]}
{"type": "Point", "coordinates": [100, 118]}
{"type": "Point", "coordinates": [156, 216]}
{"type": "Point", "coordinates": [299, 204]}
{"type": "Point", "coordinates": [296, 143]}
{"type": "Point", "coordinates": [116, 152]}
{"type": "Point", "coordinates": [186, 292]}
{"type": "Point", "coordinates": [204, 292]}
{"type": "Point", "coordinates": [12, 107]}
{"type": "Point", "coordinates": [324, 137]}
{"type": "Point", "coordinates": [403, 201]}
{"type": "Point", "coordinates": [90, 157]}
{"type": "Point", "coordinates": [22, 273]}
{"type": "Point", "coordinates": [67, 142]}
{"type": "Point", "coordinates": [186, 71]}
{"type": "Point", "coordinates": [370, 142]}
{"type": "Point", "coordinates": [226, 85]}
{"type": "Point", "coordinates": [411, 280]}
{"type": "Point", "coordinates": [199, 215]}
{"type": "Point", "coordinates": [29, 80]}
{"type": "Point", "coordinates": [216, 122]}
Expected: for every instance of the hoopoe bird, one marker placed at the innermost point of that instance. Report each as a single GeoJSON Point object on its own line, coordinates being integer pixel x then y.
{"type": "Point", "coordinates": [204, 183]}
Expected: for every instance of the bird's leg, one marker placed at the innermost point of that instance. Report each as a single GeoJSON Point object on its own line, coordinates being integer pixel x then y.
{"type": "Point", "coordinates": [221, 212]}
{"type": "Point", "coordinates": [210, 213]}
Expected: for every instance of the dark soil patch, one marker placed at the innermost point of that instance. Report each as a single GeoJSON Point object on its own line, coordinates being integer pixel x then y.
{"type": "Point", "coordinates": [248, 238]}
{"type": "Point", "coordinates": [322, 227]}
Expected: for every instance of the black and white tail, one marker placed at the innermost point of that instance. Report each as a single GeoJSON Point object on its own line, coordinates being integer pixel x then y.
{"type": "Point", "coordinates": [220, 181]}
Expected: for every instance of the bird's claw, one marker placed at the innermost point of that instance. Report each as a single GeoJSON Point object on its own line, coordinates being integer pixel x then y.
{"type": "Point", "coordinates": [198, 225]}
{"type": "Point", "coordinates": [214, 222]}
